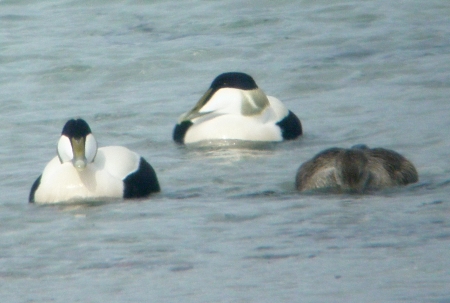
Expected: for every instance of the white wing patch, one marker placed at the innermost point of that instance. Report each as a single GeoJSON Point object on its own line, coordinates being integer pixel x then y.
{"type": "Point", "coordinates": [118, 161]}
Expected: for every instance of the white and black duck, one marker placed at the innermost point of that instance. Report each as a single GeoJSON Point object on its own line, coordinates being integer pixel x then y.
{"type": "Point", "coordinates": [81, 171]}
{"type": "Point", "coordinates": [234, 108]}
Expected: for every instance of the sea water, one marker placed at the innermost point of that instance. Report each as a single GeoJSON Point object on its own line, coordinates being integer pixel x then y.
{"type": "Point", "coordinates": [228, 225]}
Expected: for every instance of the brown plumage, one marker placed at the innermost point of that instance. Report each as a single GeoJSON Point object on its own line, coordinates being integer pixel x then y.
{"type": "Point", "coordinates": [355, 170]}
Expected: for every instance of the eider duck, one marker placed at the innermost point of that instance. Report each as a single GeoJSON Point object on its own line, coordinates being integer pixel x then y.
{"type": "Point", "coordinates": [355, 170]}
{"type": "Point", "coordinates": [81, 171]}
{"type": "Point", "coordinates": [235, 108]}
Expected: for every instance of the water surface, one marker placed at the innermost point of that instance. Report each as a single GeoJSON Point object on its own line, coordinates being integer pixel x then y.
{"type": "Point", "coordinates": [228, 225]}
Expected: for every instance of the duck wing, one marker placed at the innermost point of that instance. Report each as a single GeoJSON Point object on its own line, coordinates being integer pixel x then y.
{"type": "Point", "coordinates": [319, 172]}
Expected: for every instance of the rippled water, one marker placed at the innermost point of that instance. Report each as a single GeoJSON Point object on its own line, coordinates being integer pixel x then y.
{"type": "Point", "coordinates": [228, 225]}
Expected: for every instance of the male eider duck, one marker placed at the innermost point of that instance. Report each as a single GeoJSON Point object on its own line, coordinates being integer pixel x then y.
{"type": "Point", "coordinates": [83, 172]}
{"type": "Point", "coordinates": [355, 170]}
{"type": "Point", "coordinates": [235, 108]}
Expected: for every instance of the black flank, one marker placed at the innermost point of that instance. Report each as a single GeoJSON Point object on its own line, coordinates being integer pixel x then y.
{"type": "Point", "coordinates": [34, 187]}
{"type": "Point", "coordinates": [142, 182]}
{"type": "Point", "coordinates": [180, 131]}
{"type": "Point", "coordinates": [290, 126]}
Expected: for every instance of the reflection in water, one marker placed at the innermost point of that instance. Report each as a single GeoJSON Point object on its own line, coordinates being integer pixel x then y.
{"type": "Point", "coordinates": [232, 150]}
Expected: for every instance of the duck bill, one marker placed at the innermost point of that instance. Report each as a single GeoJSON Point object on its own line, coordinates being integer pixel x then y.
{"type": "Point", "coordinates": [194, 113]}
{"type": "Point", "coordinates": [79, 157]}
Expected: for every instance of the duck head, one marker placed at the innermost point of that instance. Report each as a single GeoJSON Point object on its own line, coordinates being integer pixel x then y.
{"type": "Point", "coordinates": [230, 93]}
{"type": "Point", "coordinates": [77, 144]}
{"type": "Point", "coordinates": [352, 172]}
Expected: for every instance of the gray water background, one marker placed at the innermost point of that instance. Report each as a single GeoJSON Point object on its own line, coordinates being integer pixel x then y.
{"type": "Point", "coordinates": [228, 225]}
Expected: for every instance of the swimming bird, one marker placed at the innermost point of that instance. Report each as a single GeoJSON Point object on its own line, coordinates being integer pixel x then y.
{"type": "Point", "coordinates": [81, 171]}
{"type": "Point", "coordinates": [235, 108]}
{"type": "Point", "coordinates": [356, 169]}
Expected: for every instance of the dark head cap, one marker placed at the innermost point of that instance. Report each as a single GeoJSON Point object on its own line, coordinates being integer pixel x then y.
{"type": "Point", "coordinates": [76, 128]}
{"type": "Point", "coordinates": [233, 80]}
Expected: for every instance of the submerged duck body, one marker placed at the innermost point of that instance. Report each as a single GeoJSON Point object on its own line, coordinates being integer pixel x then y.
{"type": "Point", "coordinates": [235, 108]}
{"type": "Point", "coordinates": [81, 171]}
{"type": "Point", "coordinates": [355, 170]}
